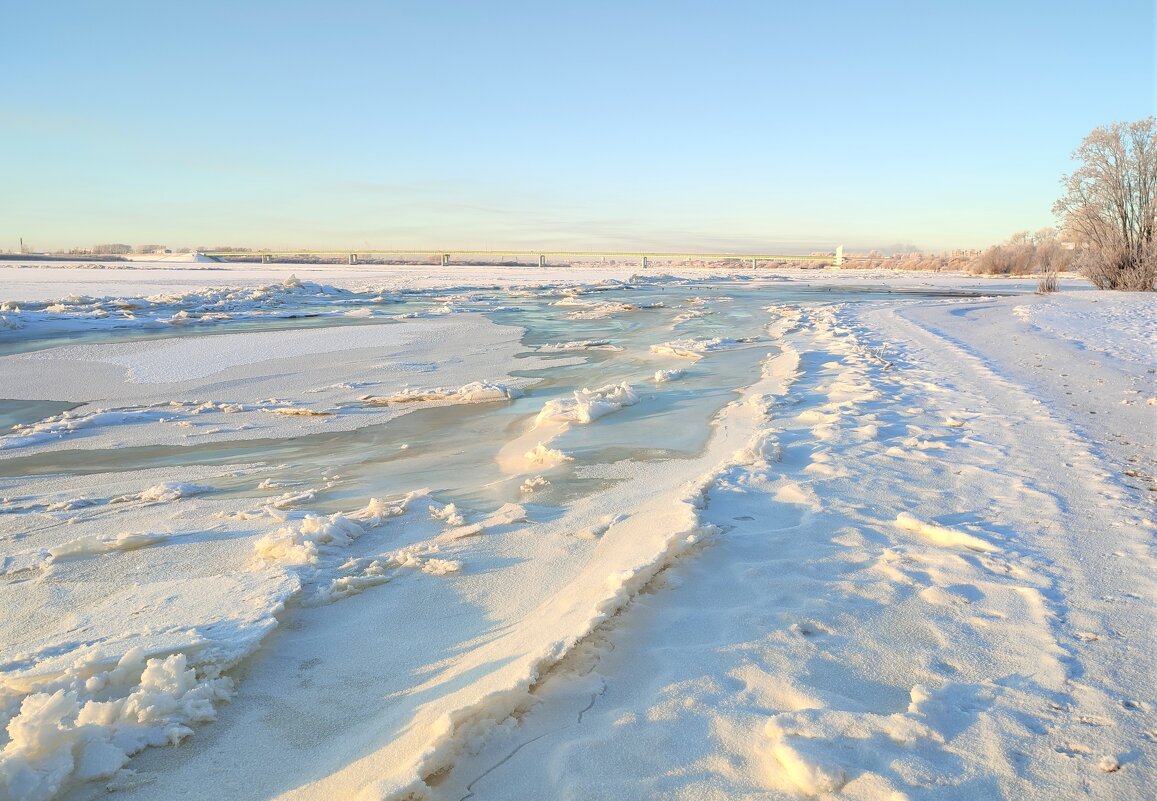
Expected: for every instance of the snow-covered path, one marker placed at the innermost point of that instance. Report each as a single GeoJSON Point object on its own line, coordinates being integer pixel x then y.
{"type": "Point", "coordinates": [941, 590]}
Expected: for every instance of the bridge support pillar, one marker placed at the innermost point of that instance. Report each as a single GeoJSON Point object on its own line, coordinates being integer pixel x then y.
{"type": "Point", "coordinates": [542, 261]}
{"type": "Point", "coordinates": [353, 258]}
{"type": "Point", "coordinates": [445, 259]}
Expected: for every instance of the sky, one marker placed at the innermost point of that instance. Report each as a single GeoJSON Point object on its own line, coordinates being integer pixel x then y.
{"type": "Point", "coordinates": [734, 126]}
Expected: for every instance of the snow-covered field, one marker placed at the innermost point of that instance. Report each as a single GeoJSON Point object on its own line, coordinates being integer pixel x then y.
{"type": "Point", "coordinates": [573, 533]}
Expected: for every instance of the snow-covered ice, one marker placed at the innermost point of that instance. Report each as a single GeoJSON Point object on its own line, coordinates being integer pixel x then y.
{"type": "Point", "coordinates": [369, 533]}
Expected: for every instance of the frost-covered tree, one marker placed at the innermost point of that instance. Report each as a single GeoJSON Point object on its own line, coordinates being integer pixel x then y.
{"type": "Point", "coordinates": [1109, 207]}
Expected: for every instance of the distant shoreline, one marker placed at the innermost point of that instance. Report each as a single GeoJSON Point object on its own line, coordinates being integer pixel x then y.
{"type": "Point", "coordinates": [58, 257]}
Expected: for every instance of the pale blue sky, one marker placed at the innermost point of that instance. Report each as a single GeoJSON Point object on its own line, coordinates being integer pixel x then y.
{"type": "Point", "coordinates": [659, 125]}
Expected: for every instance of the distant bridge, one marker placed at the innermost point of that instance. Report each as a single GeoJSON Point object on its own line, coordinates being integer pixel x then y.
{"type": "Point", "coordinates": [644, 257]}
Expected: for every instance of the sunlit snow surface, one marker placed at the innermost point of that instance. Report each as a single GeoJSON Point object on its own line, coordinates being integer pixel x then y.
{"type": "Point", "coordinates": [645, 537]}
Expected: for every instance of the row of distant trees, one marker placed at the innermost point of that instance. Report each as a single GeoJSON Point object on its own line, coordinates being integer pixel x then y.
{"type": "Point", "coordinates": [121, 249]}
{"type": "Point", "coordinates": [1024, 253]}
{"type": "Point", "coordinates": [1043, 252]}
{"type": "Point", "coordinates": [1108, 217]}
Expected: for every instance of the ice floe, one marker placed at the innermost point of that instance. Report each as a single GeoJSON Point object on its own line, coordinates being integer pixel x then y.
{"type": "Point", "coordinates": [588, 405]}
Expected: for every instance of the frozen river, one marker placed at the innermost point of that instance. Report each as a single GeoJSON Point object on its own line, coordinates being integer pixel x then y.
{"type": "Point", "coordinates": [404, 531]}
